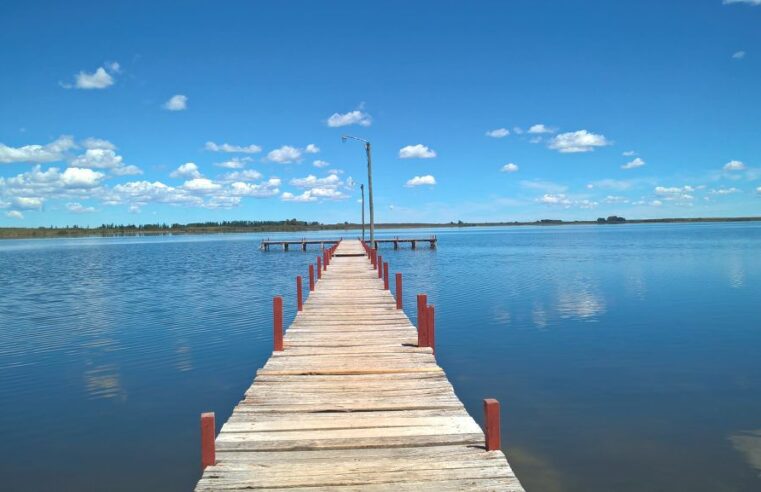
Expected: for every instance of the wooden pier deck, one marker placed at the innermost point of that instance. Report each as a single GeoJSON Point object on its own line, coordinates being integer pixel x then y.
{"type": "Point", "coordinates": [352, 403]}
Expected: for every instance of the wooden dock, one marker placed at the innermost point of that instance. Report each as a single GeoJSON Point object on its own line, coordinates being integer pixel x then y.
{"type": "Point", "coordinates": [302, 244]}
{"type": "Point", "coordinates": [353, 399]}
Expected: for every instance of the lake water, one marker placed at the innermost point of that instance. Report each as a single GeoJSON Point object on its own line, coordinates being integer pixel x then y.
{"type": "Point", "coordinates": [626, 357]}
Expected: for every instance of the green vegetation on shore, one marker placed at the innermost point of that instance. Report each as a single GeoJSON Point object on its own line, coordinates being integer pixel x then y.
{"type": "Point", "coordinates": [294, 225]}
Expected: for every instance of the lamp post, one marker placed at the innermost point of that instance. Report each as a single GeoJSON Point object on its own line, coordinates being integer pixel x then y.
{"type": "Point", "coordinates": [368, 150]}
{"type": "Point", "coordinates": [362, 187]}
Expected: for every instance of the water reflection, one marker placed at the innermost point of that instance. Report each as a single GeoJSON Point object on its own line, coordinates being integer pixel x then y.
{"type": "Point", "coordinates": [103, 382]}
{"type": "Point", "coordinates": [748, 443]}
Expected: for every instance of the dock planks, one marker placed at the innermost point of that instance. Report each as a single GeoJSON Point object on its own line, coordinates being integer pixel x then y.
{"type": "Point", "coordinates": [353, 404]}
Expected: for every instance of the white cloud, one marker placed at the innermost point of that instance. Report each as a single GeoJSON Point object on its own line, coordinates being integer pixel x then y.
{"type": "Point", "coordinates": [545, 186]}
{"type": "Point", "coordinates": [758, 190]}
{"type": "Point", "coordinates": [29, 190]}
{"type": "Point", "coordinates": [311, 149]}
{"type": "Point", "coordinates": [201, 185]}
{"type": "Point", "coordinates": [615, 199]}
{"type": "Point", "coordinates": [510, 168]}
{"type": "Point", "coordinates": [498, 133]}
{"type": "Point", "coordinates": [27, 203]}
{"type": "Point", "coordinates": [225, 147]}
{"type": "Point", "coordinates": [14, 214]}
{"type": "Point", "coordinates": [421, 180]}
{"type": "Point", "coordinates": [675, 193]}
{"type": "Point", "coordinates": [139, 193]}
{"type": "Point", "coordinates": [246, 175]}
{"type": "Point", "coordinates": [738, 55]}
{"type": "Point", "coordinates": [314, 194]}
{"type": "Point", "coordinates": [234, 163]}
{"type": "Point", "coordinates": [104, 158]}
{"type": "Point", "coordinates": [54, 151]}
{"type": "Point", "coordinates": [129, 170]}
{"type": "Point", "coordinates": [629, 153]}
{"type": "Point", "coordinates": [355, 117]}
{"type": "Point", "coordinates": [656, 203]}
{"type": "Point", "coordinates": [555, 199]}
{"type": "Point", "coordinates": [76, 177]}
{"type": "Point", "coordinates": [725, 191]}
{"type": "Point", "coordinates": [97, 143]}
{"type": "Point", "coordinates": [418, 151]}
{"type": "Point", "coordinates": [285, 155]}
{"type": "Point", "coordinates": [634, 163]}
{"type": "Point", "coordinates": [734, 166]}
{"type": "Point", "coordinates": [100, 79]}
{"type": "Point", "coordinates": [78, 208]}
{"type": "Point", "coordinates": [540, 128]}
{"type": "Point", "coordinates": [178, 102]}
{"type": "Point", "coordinates": [611, 184]}
{"type": "Point", "coordinates": [311, 181]}
{"type": "Point", "coordinates": [263, 190]}
{"type": "Point", "coordinates": [320, 164]}
{"type": "Point", "coordinates": [578, 141]}
{"type": "Point", "coordinates": [189, 170]}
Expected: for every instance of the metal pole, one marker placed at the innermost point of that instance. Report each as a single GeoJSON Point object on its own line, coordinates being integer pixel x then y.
{"type": "Point", "coordinates": [370, 190]}
{"type": "Point", "coordinates": [362, 187]}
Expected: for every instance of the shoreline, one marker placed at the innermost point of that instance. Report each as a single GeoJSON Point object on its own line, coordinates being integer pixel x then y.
{"type": "Point", "coordinates": [288, 226]}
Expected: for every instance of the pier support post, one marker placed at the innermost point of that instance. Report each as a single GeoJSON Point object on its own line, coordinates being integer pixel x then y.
{"type": "Point", "coordinates": [277, 323]}
{"type": "Point", "coordinates": [208, 452]}
{"type": "Point", "coordinates": [385, 276]}
{"type": "Point", "coordinates": [414, 244]}
{"type": "Point", "coordinates": [319, 266]}
{"type": "Point", "coordinates": [491, 422]}
{"type": "Point", "coordinates": [398, 291]}
{"type": "Point", "coordinates": [299, 294]}
{"type": "Point", "coordinates": [380, 266]}
{"type": "Point", "coordinates": [422, 329]}
{"type": "Point", "coordinates": [311, 277]}
{"type": "Point", "coordinates": [430, 323]}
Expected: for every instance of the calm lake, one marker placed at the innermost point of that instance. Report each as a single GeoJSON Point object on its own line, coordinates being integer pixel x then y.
{"type": "Point", "coordinates": [626, 357]}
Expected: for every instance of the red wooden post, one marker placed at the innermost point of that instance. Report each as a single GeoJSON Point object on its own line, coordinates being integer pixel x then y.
{"type": "Point", "coordinates": [328, 255]}
{"type": "Point", "coordinates": [422, 330]}
{"type": "Point", "coordinates": [380, 266]}
{"type": "Point", "coordinates": [385, 276]}
{"type": "Point", "coordinates": [311, 277]}
{"type": "Point", "coordinates": [208, 452]}
{"type": "Point", "coordinates": [299, 294]}
{"type": "Point", "coordinates": [398, 291]}
{"type": "Point", "coordinates": [491, 417]}
{"type": "Point", "coordinates": [277, 322]}
{"type": "Point", "coordinates": [430, 324]}
{"type": "Point", "coordinates": [319, 267]}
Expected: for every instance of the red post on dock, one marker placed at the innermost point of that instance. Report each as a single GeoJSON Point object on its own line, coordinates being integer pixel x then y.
{"type": "Point", "coordinates": [277, 322]}
{"type": "Point", "coordinates": [398, 291]}
{"type": "Point", "coordinates": [491, 419]}
{"type": "Point", "coordinates": [311, 277]}
{"type": "Point", "coordinates": [380, 266]}
{"type": "Point", "coordinates": [422, 329]}
{"type": "Point", "coordinates": [299, 294]}
{"type": "Point", "coordinates": [430, 324]}
{"type": "Point", "coordinates": [385, 276]}
{"type": "Point", "coordinates": [208, 452]}
{"type": "Point", "coordinates": [319, 267]}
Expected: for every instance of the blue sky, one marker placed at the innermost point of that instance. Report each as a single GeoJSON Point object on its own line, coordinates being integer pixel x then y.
{"type": "Point", "coordinates": [144, 112]}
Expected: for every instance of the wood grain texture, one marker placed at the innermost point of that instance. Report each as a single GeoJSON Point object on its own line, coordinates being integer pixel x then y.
{"type": "Point", "coordinates": [353, 404]}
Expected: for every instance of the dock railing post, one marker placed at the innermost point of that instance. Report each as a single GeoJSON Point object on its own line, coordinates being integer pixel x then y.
{"type": "Point", "coordinates": [380, 266]}
{"type": "Point", "coordinates": [208, 451]}
{"type": "Point", "coordinates": [319, 267]}
{"type": "Point", "coordinates": [385, 276]}
{"type": "Point", "coordinates": [430, 323]}
{"type": "Point", "coordinates": [277, 323]}
{"type": "Point", "coordinates": [491, 422]}
{"type": "Point", "coordinates": [299, 294]}
{"type": "Point", "coordinates": [311, 277]}
{"type": "Point", "coordinates": [422, 329]}
{"type": "Point", "coordinates": [398, 291]}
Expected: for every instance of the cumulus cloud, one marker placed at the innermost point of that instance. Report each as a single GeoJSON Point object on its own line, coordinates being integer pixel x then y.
{"type": "Point", "coordinates": [355, 117]}
{"type": "Point", "coordinates": [27, 203]}
{"type": "Point", "coordinates": [285, 155]}
{"type": "Point", "coordinates": [420, 181]}
{"type": "Point", "coordinates": [758, 190]}
{"type": "Point", "coordinates": [510, 168]}
{"type": "Point", "coordinates": [560, 199]}
{"type": "Point", "coordinates": [629, 153]}
{"type": "Point", "coordinates": [75, 177]}
{"type": "Point", "coordinates": [314, 194]}
{"type": "Point", "coordinates": [498, 133]}
{"type": "Point", "coordinates": [320, 164]}
{"type": "Point", "coordinates": [675, 193]}
{"type": "Point", "coordinates": [238, 149]}
{"type": "Point", "coordinates": [540, 128]}
{"type": "Point", "coordinates": [201, 185]}
{"type": "Point", "coordinates": [105, 158]}
{"type": "Point", "coordinates": [178, 102]}
{"type": "Point", "coordinates": [246, 175]}
{"type": "Point", "coordinates": [14, 214]}
{"type": "Point", "coordinates": [738, 55]}
{"type": "Point", "coordinates": [734, 166]}
{"type": "Point", "coordinates": [725, 191]}
{"type": "Point", "coordinates": [78, 208]}
{"type": "Point", "coordinates": [615, 199]}
{"type": "Point", "coordinates": [97, 143]}
{"type": "Point", "coordinates": [578, 141]}
{"type": "Point", "coordinates": [633, 164]}
{"type": "Point", "coordinates": [311, 149]}
{"type": "Point", "coordinates": [418, 151]}
{"type": "Point", "coordinates": [54, 151]}
{"type": "Point", "coordinates": [262, 190]}
{"type": "Point", "coordinates": [312, 181]}
{"type": "Point", "coordinates": [234, 163]}
{"type": "Point", "coordinates": [100, 79]}
{"type": "Point", "coordinates": [189, 170]}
